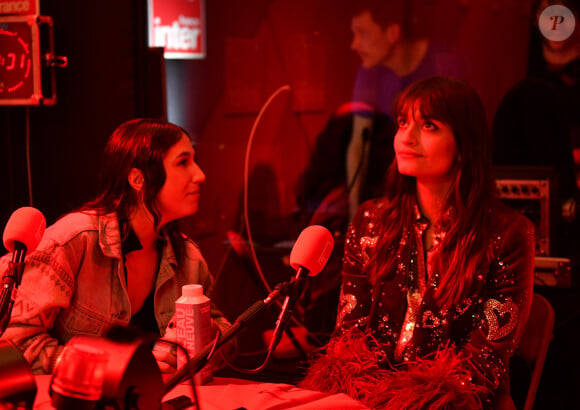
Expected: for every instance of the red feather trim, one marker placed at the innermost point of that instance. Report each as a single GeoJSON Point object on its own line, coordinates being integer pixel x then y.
{"type": "Point", "coordinates": [351, 366]}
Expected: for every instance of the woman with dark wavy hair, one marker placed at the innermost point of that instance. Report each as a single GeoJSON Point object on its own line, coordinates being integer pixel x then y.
{"type": "Point", "coordinates": [120, 259]}
{"type": "Point", "coordinates": [437, 274]}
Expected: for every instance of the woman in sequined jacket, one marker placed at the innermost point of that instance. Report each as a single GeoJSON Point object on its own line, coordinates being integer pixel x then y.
{"type": "Point", "coordinates": [438, 274]}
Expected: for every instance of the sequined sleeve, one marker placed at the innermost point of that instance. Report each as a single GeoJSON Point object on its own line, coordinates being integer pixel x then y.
{"type": "Point", "coordinates": [361, 238]}
{"type": "Point", "coordinates": [505, 303]}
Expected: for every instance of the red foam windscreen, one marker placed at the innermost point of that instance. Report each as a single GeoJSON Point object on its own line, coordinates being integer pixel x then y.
{"type": "Point", "coordinates": [26, 225]}
{"type": "Point", "coordinates": [312, 249]}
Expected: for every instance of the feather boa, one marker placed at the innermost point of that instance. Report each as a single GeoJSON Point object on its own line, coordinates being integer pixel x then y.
{"type": "Point", "coordinates": [354, 364]}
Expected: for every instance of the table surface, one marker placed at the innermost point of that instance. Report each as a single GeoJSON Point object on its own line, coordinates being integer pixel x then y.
{"type": "Point", "coordinates": [229, 393]}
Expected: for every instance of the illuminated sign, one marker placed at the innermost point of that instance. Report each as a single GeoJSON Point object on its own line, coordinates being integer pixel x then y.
{"type": "Point", "coordinates": [179, 27]}
{"type": "Point", "coordinates": [21, 64]}
{"type": "Point", "coordinates": [19, 7]}
{"type": "Point", "coordinates": [16, 60]}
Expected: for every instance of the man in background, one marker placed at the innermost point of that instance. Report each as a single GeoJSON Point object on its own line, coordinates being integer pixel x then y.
{"type": "Point", "coordinates": [393, 55]}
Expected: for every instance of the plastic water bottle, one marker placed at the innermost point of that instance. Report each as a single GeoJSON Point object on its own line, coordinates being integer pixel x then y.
{"type": "Point", "coordinates": [193, 325]}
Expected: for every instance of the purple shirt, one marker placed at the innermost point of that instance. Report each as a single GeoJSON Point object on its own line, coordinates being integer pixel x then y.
{"type": "Point", "coordinates": [379, 86]}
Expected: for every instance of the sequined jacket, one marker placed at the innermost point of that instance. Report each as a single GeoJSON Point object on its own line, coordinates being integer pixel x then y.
{"type": "Point", "coordinates": [485, 326]}
{"type": "Point", "coordinates": [74, 284]}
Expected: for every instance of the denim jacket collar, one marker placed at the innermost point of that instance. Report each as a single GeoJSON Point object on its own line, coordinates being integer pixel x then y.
{"type": "Point", "coordinates": [110, 239]}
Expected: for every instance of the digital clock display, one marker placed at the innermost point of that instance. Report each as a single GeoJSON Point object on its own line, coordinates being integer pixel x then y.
{"type": "Point", "coordinates": [16, 70]}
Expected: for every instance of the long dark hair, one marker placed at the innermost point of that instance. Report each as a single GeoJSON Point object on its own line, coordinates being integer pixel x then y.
{"type": "Point", "coordinates": [142, 144]}
{"type": "Point", "coordinates": [463, 249]}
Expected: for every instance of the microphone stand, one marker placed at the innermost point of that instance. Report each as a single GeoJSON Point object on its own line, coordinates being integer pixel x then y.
{"type": "Point", "coordinates": [281, 323]}
{"type": "Point", "coordinates": [17, 383]}
{"type": "Point", "coordinates": [196, 363]}
{"type": "Point", "coordinates": [11, 280]}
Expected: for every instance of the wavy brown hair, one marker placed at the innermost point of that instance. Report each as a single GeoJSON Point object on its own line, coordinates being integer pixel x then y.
{"type": "Point", "coordinates": [139, 143]}
{"type": "Point", "coordinates": [463, 248]}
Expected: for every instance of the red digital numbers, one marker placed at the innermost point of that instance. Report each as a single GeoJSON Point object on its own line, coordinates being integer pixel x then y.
{"type": "Point", "coordinates": [15, 60]}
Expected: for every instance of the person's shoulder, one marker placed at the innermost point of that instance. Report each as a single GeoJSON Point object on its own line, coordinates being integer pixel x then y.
{"type": "Point", "coordinates": [509, 220]}
{"type": "Point", "coordinates": [371, 209]}
{"type": "Point", "coordinates": [534, 86]}
{"type": "Point", "coordinates": [72, 225]}
{"type": "Point", "coordinates": [191, 248]}
{"type": "Point", "coordinates": [440, 59]}
{"type": "Point", "coordinates": [373, 204]}
{"type": "Point", "coordinates": [373, 73]}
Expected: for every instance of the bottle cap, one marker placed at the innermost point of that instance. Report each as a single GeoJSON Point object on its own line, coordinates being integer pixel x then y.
{"type": "Point", "coordinates": [192, 290]}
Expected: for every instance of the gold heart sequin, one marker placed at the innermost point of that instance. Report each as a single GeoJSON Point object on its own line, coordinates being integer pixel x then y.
{"type": "Point", "coordinates": [347, 303]}
{"type": "Point", "coordinates": [430, 320]}
{"type": "Point", "coordinates": [367, 244]}
{"type": "Point", "coordinates": [493, 310]}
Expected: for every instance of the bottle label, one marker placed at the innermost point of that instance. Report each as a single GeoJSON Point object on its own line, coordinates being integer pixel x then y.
{"type": "Point", "coordinates": [193, 327]}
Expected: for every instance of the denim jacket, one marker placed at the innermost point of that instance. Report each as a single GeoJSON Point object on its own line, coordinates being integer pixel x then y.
{"type": "Point", "coordinates": [74, 284]}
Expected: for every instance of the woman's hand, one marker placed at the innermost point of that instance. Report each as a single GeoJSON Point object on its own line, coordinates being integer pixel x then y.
{"type": "Point", "coordinates": [165, 356]}
{"type": "Point", "coordinates": [164, 352]}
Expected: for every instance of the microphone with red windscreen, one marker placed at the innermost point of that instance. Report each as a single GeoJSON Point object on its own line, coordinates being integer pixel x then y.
{"type": "Point", "coordinates": [24, 229]}
{"type": "Point", "coordinates": [23, 233]}
{"type": "Point", "coordinates": [308, 257]}
{"type": "Point", "coordinates": [311, 250]}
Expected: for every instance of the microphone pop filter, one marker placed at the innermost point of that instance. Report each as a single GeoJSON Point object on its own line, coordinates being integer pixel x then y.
{"type": "Point", "coordinates": [26, 225]}
{"type": "Point", "coordinates": [312, 249]}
